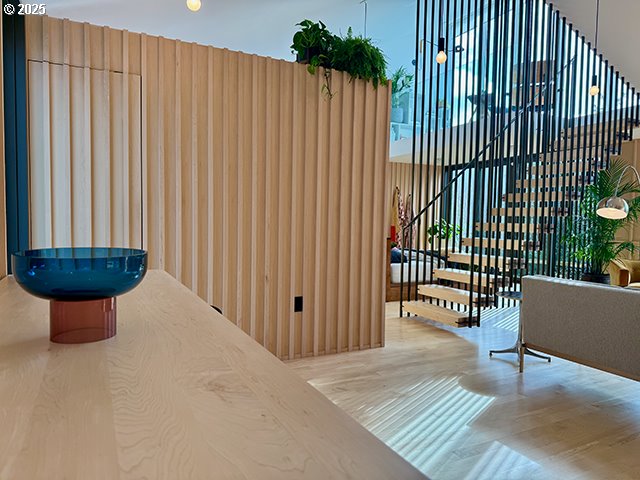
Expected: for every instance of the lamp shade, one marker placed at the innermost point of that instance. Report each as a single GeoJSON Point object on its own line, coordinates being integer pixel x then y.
{"type": "Point", "coordinates": [613, 208]}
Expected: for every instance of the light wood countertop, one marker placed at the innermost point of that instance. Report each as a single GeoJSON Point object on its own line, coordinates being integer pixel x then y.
{"type": "Point", "coordinates": [180, 392]}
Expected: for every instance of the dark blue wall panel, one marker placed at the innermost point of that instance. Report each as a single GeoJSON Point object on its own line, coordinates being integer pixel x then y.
{"type": "Point", "coordinates": [15, 131]}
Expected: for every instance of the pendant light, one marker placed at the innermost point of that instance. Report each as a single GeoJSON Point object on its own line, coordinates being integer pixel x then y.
{"type": "Point", "coordinates": [442, 51]}
{"type": "Point", "coordinates": [595, 89]}
{"type": "Point", "coordinates": [441, 57]}
{"type": "Point", "coordinates": [194, 5]}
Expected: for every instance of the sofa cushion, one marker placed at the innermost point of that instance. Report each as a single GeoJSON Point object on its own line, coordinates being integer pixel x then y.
{"type": "Point", "coordinates": [585, 322]}
{"type": "Point", "coordinates": [396, 256]}
{"type": "Point", "coordinates": [634, 285]}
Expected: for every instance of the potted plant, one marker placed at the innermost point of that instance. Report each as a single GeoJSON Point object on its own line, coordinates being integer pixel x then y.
{"type": "Point", "coordinates": [316, 46]}
{"type": "Point", "coordinates": [593, 238]}
{"type": "Point", "coordinates": [442, 230]}
{"type": "Point", "coordinates": [312, 44]}
{"type": "Point", "coordinates": [359, 57]}
{"type": "Point", "coordinates": [401, 83]}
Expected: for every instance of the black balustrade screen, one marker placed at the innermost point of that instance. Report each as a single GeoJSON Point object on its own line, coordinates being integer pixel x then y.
{"type": "Point", "coordinates": [508, 134]}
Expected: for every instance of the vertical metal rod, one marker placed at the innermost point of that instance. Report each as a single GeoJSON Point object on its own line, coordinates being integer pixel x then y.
{"type": "Point", "coordinates": [501, 102]}
{"type": "Point", "coordinates": [548, 81]}
{"type": "Point", "coordinates": [549, 164]}
{"type": "Point", "coordinates": [421, 163]}
{"type": "Point", "coordinates": [516, 207]}
{"type": "Point", "coordinates": [457, 241]}
{"type": "Point", "coordinates": [627, 97]}
{"type": "Point", "coordinates": [567, 141]}
{"type": "Point", "coordinates": [477, 186]}
{"type": "Point", "coordinates": [580, 178]}
{"type": "Point", "coordinates": [425, 130]}
{"type": "Point", "coordinates": [433, 133]}
{"type": "Point", "coordinates": [424, 181]}
{"type": "Point", "coordinates": [442, 207]}
{"type": "Point", "coordinates": [556, 157]}
{"type": "Point", "coordinates": [448, 197]}
{"type": "Point", "coordinates": [530, 236]}
{"type": "Point", "coordinates": [569, 149]}
{"type": "Point", "coordinates": [523, 140]}
{"type": "Point", "coordinates": [414, 139]}
{"type": "Point", "coordinates": [468, 146]}
{"type": "Point", "coordinates": [609, 119]}
{"type": "Point", "coordinates": [468, 129]}
{"type": "Point", "coordinates": [590, 104]}
{"type": "Point", "coordinates": [493, 152]}
{"type": "Point", "coordinates": [513, 103]}
{"type": "Point", "coordinates": [619, 111]}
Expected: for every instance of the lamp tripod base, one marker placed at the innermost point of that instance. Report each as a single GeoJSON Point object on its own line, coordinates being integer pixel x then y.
{"type": "Point", "coordinates": [82, 321]}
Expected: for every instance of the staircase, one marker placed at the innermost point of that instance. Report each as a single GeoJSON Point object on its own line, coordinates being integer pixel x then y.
{"type": "Point", "coordinates": [519, 195]}
{"type": "Point", "coordinates": [509, 242]}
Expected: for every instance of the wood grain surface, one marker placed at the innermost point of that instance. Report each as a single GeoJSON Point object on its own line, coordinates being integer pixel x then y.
{"type": "Point", "coordinates": [236, 173]}
{"type": "Point", "coordinates": [180, 392]}
{"type": "Point", "coordinates": [434, 396]}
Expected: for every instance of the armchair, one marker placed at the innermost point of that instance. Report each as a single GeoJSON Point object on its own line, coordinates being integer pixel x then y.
{"type": "Point", "coordinates": [625, 273]}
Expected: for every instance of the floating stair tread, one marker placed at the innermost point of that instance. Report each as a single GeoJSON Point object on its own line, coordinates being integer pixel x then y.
{"type": "Point", "coordinates": [537, 196]}
{"type": "Point", "coordinates": [464, 276]}
{"type": "Point", "coordinates": [512, 227]}
{"type": "Point", "coordinates": [586, 136]}
{"type": "Point", "coordinates": [437, 314]}
{"type": "Point", "coordinates": [541, 171]}
{"type": "Point", "coordinates": [527, 212]}
{"type": "Point", "coordinates": [487, 260]}
{"type": "Point", "coordinates": [550, 183]}
{"type": "Point", "coordinates": [557, 161]}
{"type": "Point", "coordinates": [501, 244]}
{"type": "Point", "coordinates": [450, 294]}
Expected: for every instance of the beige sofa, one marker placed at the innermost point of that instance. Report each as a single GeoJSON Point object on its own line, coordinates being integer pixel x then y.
{"type": "Point", "coordinates": [595, 325]}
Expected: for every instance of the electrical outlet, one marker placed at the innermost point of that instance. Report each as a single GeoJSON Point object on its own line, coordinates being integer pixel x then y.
{"type": "Point", "coordinates": [297, 304]}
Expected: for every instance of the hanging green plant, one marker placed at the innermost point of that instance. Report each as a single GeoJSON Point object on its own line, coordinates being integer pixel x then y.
{"type": "Point", "coordinates": [360, 58]}
{"type": "Point", "coordinates": [314, 45]}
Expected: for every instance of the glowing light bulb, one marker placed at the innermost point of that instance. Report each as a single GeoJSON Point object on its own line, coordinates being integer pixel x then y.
{"type": "Point", "coordinates": [594, 90]}
{"type": "Point", "coordinates": [442, 47]}
{"type": "Point", "coordinates": [194, 5]}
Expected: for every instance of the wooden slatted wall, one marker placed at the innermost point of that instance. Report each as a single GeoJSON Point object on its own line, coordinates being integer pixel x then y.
{"type": "Point", "coordinates": [255, 188]}
{"type": "Point", "coordinates": [400, 175]}
{"type": "Point", "coordinates": [80, 175]}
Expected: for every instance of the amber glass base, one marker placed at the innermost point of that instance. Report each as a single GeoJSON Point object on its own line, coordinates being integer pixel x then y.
{"type": "Point", "coordinates": [82, 322]}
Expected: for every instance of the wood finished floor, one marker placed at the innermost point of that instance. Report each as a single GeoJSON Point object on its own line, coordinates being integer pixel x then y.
{"type": "Point", "coordinates": [433, 395]}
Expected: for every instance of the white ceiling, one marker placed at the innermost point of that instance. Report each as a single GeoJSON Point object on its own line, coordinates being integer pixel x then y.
{"type": "Point", "coordinates": [619, 35]}
{"type": "Point", "coordinates": [263, 27]}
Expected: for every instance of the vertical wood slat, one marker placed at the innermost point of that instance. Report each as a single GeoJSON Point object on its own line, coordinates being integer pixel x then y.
{"type": "Point", "coordinates": [252, 186]}
{"type": "Point", "coordinates": [400, 175]}
{"type": "Point", "coordinates": [69, 158]}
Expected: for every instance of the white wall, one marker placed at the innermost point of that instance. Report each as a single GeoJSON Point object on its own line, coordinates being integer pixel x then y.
{"type": "Point", "coordinates": [263, 27]}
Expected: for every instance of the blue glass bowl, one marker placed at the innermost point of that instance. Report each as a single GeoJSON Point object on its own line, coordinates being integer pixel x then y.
{"type": "Point", "coordinates": [72, 274]}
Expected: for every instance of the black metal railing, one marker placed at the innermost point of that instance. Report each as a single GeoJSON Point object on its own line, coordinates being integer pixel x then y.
{"type": "Point", "coordinates": [524, 139]}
